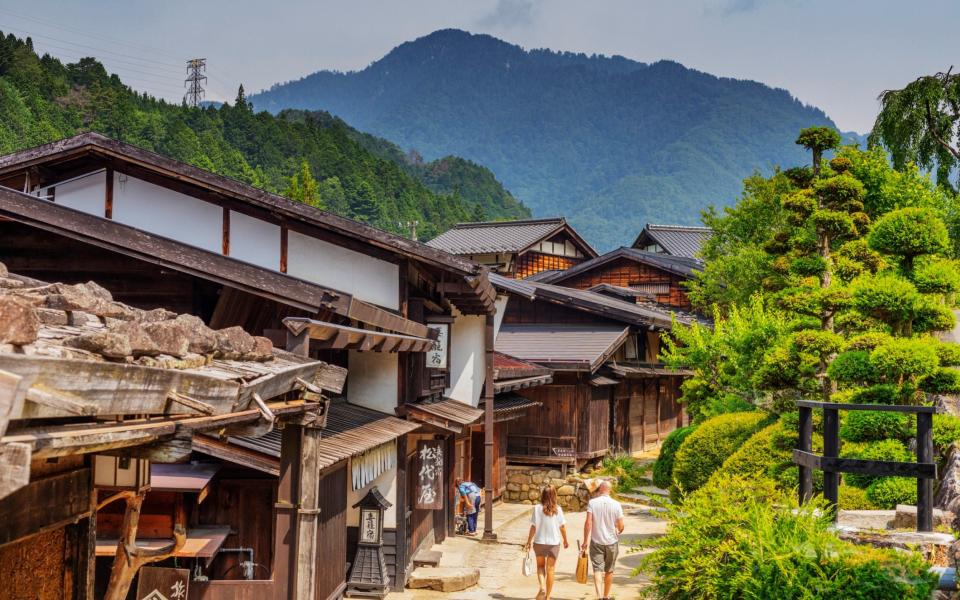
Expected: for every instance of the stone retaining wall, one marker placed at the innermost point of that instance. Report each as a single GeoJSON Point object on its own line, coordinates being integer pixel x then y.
{"type": "Point", "coordinates": [573, 491]}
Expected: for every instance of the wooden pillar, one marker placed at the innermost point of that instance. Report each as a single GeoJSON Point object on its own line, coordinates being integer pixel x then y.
{"type": "Point", "coordinates": [488, 465]}
{"type": "Point", "coordinates": [285, 542]}
{"type": "Point", "coordinates": [924, 486]}
{"type": "Point", "coordinates": [831, 449]}
{"type": "Point", "coordinates": [806, 445]}
{"type": "Point", "coordinates": [401, 579]}
{"type": "Point", "coordinates": [88, 547]}
{"type": "Point", "coordinates": [308, 514]}
{"type": "Point", "coordinates": [108, 195]}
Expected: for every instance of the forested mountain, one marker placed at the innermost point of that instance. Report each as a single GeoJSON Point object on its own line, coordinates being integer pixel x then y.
{"type": "Point", "coordinates": [311, 157]}
{"type": "Point", "coordinates": [609, 142]}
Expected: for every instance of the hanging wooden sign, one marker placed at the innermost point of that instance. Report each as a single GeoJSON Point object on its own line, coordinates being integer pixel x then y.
{"type": "Point", "coordinates": [429, 466]}
{"type": "Point", "coordinates": [161, 583]}
{"type": "Point", "coordinates": [436, 356]}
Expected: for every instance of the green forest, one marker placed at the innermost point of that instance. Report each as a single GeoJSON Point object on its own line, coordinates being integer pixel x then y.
{"type": "Point", "coordinates": [608, 142]}
{"type": "Point", "coordinates": [311, 157]}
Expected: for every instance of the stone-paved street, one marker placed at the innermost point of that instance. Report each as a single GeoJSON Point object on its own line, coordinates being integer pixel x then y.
{"type": "Point", "coordinates": [499, 563]}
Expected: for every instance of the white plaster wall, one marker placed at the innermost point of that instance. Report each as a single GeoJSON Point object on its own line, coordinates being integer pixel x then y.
{"type": "Point", "coordinates": [87, 194]}
{"type": "Point", "coordinates": [321, 262]}
{"type": "Point", "coordinates": [467, 369]}
{"type": "Point", "coordinates": [164, 212]}
{"type": "Point", "coordinates": [372, 380]}
{"type": "Point", "coordinates": [501, 304]}
{"type": "Point", "coordinates": [386, 483]}
{"type": "Point", "coordinates": [254, 241]}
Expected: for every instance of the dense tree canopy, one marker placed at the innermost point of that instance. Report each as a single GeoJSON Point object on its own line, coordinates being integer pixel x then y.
{"type": "Point", "coordinates": [313, 157]}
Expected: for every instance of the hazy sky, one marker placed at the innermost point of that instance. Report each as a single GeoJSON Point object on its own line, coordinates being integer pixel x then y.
{"type": "Point", "coordinates": [837, 55]}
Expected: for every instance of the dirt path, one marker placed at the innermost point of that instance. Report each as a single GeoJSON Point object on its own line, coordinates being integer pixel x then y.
{"type": "Point", "coordinates": [499, 563]}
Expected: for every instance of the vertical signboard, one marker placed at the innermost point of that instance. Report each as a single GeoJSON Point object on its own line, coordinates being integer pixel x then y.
{"type": "Point", "coordinates": [437, 354]}
{"type": "Point", "coordinates": [429, 475]}
{"type": "Point", "coordinates": [160, 583]}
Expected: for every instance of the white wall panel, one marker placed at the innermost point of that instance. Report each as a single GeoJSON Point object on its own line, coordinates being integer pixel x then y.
{"type": "Point", "coordinates": [321, 262]}
{"type": "Point", "coordinates": [372, 380]}
{"type": "Point", "coordinates": [467, 369]}
{"type": "Point", "coordinates": [164, 212]}
{"type": "Point", "coordinates": [86, 194]}
{"type": "Point", "coordinates": [387, 485]}
{"type": "Point", "coordinates": [254, 241]}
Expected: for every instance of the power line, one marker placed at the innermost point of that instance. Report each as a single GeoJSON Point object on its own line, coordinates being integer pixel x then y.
{"type": "Point", "coordinates": [194, 81]}
{"type": "Point", "coordinates": [87, 34]}
{"type": "Point", "coordinates": [103, 50]}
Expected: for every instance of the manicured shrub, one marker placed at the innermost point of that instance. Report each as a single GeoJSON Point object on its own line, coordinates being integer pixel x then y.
{"type": "Point", "coordinates": [663, 468]}
{"type": "Point", "coordinates": [704, 450]}
{"type": "Point", "coordinates": [629, 472]}
{"type": "Point", "coordinates": [868, 426]}
{"type": "Point", "coordinates": [854, 498]}
{"type": "Point", "coordinates": [743, 538]}
{"type": "Point", "coordinates": [942, 381]}
{"type": "Point", "coordinates": [946, 430]}
{"type": "Point", "coordinates": [902, 358]}
{"type": "Point", "coordinates": [888, 492]}
{"type": "Point", "coordinates": [910, 232]}
{"type": "Point", "coordinates": [851, 367]}
{"type": "Point", "coordinates": [885, 393]}
{"type": "Point", "coordinates": [882, 450]}
{"type": "Point", "coordinates": [949, 354]}
{"type": "Point", "coordinates": [763, 455]}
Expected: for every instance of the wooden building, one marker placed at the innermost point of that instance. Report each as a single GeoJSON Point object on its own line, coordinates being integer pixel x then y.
{"type": "Point", "coordinates": [674, 240]}
{"type": "Point", "coordinates": [608, 392]}
{"type": "Point", "coordinates": [517, 249]}
{"type": "Point", "coordinates": [659, 276]}
{"type": "Point", "coordinates": [157, 232]}
{"type": "Point", "coordinates": [92, 392]}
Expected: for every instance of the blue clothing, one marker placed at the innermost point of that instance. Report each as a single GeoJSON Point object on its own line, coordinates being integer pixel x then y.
{"type": "Point", "coordinates": [468, 487]}
{"type": "Point", "coordinates": [472, 517]}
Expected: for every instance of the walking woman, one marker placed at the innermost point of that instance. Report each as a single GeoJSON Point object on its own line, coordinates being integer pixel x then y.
{"type": "Point", "coordinates": [547, 531]}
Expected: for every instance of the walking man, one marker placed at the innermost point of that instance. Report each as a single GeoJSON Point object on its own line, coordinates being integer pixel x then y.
{"type": "Point", "coordinates": [602, 530]}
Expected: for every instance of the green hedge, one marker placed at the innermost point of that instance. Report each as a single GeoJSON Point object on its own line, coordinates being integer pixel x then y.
{"type": "Point", "coordinates": [854, 498]}
{"type": "Point", "coordinates": [888, 492]}
{"type": "Point", "coordinates": [663, 468]}
{"type": "Point", "coordinates": [714, 440]}
{"type": "Point", "coordinates": [744, 538]}
{"type": "Point", "coordinates": [870, 426]}
{"type": "Point", "coordinates": [881, 450]}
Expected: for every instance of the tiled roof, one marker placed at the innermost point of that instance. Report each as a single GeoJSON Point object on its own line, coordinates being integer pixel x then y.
{"type": "Point", "coordinates": [562, 346]}
{"type": "Point", "coordinates": [503, 236]}
{"type": "Point", "coordinates": [676, 240]}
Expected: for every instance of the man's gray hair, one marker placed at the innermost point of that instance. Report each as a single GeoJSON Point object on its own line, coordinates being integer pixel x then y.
{"type": "Point", "coordinates": [605, 487]}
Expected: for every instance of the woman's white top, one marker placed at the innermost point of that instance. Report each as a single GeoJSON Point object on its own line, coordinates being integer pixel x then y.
{"type": "Point", "coordinates": [547, 527]}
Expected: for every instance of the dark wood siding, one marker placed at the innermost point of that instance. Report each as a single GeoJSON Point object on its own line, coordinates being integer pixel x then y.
{"type": "Point", "coordinates": [530, 263]}
{"type": "Point", "coordinates": [246, 505]}
{"type": "Point", "coordinates": [624, 272]}
{"type": "Point", "coordinates": [332, 533]}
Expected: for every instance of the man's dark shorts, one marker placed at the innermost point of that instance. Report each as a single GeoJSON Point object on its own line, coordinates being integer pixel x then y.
{"type": "Point", "coordinates": [604, 557]}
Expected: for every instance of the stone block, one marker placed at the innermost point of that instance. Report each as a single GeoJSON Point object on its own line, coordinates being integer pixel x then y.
{"type": "Point", "coordinates": [513, 487]}
{"type": "Point", "coordinates": [234, 342]}
{"type": "Point", "coordinates": [524, 487]}
{"type": "Point", "coordinates": [537, 478]}
{"type": "Point", "coordinates": [105, 343]}
{"type": "Point", "coordinates": [553, 474]}
{"type": "Point", "coordinates": [906, 517]}
{"type": "Point", "coordinates": [566, 490]}
{"type": "Point", "coordinates": [19, 323]}
{"type": "Point", "coordinates": [170, 337]}
{"type": "Point", "coordinates": [49, 316]}
{"type": "Point", "coordinates": [443, 579]}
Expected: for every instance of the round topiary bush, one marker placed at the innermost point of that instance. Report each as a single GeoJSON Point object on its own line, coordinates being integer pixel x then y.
{"type": "Point", "coordinates": [909, 232]}
{"type": "Point", "coordinates": [869, 426]}
{"type": "Point", "coordinates": [758, 456]}
{"type": "Point", "coordinates": [888, 492]}
{"type": "Point", "coordinates": [663, 468]}
{"type": "Point", "coordinates": [704, 450]}
{"type": "Point", "coordinates": [881, 450]}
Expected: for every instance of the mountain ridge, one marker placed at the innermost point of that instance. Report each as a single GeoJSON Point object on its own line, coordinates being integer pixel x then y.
{"type": "Point", "coordinates": [608, 141]}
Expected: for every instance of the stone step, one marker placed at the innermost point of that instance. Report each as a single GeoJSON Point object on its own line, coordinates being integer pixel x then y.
{"type": "Point", "coordinates": [443, 579]}
{"type": "Point", "coordinates": [427, 558]}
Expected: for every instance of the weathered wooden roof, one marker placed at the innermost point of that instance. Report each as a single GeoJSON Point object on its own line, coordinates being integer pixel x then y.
{"type": "Point", "coordinates": [447, 413]}
{"type": "Point", "coordinates": [507, 406]}
{"type": "Point", "coordinates": [341, 337]}
{"type": "Point", "coordinates": [493, 237]}
{"type": "Point", "coordinates": [678, 265]}
{"type": "Point", "coordinates": [350, 431]}
{"type": "Point", "coordinates": [562, 346]}
{"type": "Point", "coordinates": [510, 373]}
{"type": "Point", "coordinates": [602, 305]}
{"type": "Point", "coordinates": [676, 240]}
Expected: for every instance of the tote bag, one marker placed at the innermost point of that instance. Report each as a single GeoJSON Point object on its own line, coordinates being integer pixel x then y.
{"type": "Point", "coordinates": [581, 564]}
{"type": "Point", "coordinates": [527, 568]}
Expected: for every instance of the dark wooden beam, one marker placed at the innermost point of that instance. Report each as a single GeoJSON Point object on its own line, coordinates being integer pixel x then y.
{"type": "Point", "coordinates": [45, 504]}
{"type": "Point", "coordinates": [226, 232]}
{"type": "Point", "coordinates": [108, 195]}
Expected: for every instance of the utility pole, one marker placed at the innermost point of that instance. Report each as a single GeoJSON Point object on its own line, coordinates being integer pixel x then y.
{"type": "Point", "coordinates": [412, 226]}
{"type": "Point", "coordinates": [194, 81]}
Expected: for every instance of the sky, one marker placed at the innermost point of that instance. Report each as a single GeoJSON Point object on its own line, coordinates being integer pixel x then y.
{"type": "Point", "coordinates": [837, 55]}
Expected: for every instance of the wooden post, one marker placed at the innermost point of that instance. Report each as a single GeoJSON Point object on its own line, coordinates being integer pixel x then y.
{"type": "Point", "coordinates": [401, 557]}
{"type": "Point", "coordinates": [308, 514]}
{"type": "Point", "coordinates": [108, 195]}
{"type": "Point", "coordinates": [299, 344]}
{"type": "Point", "coordinates": [285, 543]}
{"type": "Point", "coordinates": [831, 449]}
{"type": "Point", "coordinates": [488, 465]}
{"type": "Point", "coordinates": [806, 445]}
{"type": "Point", "coordinates": [924, 486]}
{"type": "Point", "coordinates": [128, 558]}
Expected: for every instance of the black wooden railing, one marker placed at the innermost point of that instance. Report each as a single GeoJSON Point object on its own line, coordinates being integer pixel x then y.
{"type": "Point", "coordinates": [924, 470]}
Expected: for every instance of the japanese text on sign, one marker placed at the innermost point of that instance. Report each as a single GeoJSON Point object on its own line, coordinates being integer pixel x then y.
{"type": "Point", "coordinates": [429, 475]}
{"type": "Point", "coordinates": [437, 353]}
